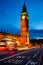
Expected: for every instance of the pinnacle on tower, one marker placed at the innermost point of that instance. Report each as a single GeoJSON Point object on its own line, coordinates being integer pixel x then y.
{"type": "Point", "coordinates": [24, 7]}
{"type": "Point", "coordinates": [24, 10]}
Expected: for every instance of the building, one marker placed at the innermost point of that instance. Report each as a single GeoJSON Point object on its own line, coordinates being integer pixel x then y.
{"type": "Point", "coordinates": [23, 38]}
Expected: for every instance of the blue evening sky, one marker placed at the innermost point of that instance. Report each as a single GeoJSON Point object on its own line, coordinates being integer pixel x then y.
{"type": "Point", "coordinates": [10, 11]}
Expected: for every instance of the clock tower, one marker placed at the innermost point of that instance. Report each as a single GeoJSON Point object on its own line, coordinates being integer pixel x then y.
{"type": "Point", "coordinates": [24, 26]}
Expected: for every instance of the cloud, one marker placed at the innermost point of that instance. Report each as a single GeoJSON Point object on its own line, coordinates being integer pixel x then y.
{"type": "Point", "coordinates": [38, 25]}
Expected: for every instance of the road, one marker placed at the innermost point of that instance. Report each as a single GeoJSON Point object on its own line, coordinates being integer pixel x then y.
{"type": "Point", "coordinates": [27, 57]}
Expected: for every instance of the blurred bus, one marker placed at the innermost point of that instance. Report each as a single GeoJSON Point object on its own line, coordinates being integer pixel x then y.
{"type": "Point", "coordinates": [3, 46]}
{"type": "Point", "coordinates": [8, 44]}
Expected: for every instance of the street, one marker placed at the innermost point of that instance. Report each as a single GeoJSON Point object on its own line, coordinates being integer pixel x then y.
{"type": "Point", "coordinates": [28, 57]}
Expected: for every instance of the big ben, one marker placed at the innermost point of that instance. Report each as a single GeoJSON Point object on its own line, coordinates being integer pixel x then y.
{"type": "Point", "coordinates": [24, 25]}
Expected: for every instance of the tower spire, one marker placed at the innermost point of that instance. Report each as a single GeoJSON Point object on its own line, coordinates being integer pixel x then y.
{"type": "Point", "coordinates": [24, 7]}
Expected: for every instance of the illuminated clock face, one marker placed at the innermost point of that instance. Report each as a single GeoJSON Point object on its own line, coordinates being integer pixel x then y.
{"type": "Point", "coordinates": [23, 17]}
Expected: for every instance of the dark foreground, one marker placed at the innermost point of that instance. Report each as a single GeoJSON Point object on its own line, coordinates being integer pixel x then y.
{"type": "Point", "coordinates": [29, 57]}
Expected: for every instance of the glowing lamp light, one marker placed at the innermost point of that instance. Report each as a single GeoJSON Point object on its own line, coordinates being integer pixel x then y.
{"type": "Point", "coordinates": [18, 43]}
